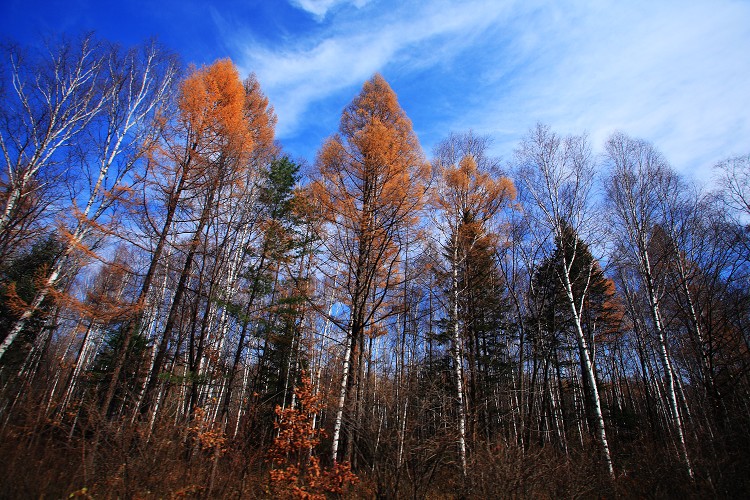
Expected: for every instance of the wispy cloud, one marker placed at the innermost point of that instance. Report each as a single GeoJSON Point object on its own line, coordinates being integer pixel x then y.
{"type": "Point", "coordinates": [309, 69]}
{"type": "Point", "coordinates": [674, 76]}
{"type": "Point", "coordinates": [672, 73]}
{"type": "Point", "coordinates": [319, 8]}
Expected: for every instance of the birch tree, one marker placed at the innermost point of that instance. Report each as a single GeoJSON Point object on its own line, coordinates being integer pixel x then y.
{"type": "Point", "coordinates": [133, 87]}
{"type": "Point", "coordinates": [557, 176]}
{"type": "Point", "coordinates": [468, 199]}
{"type": "Point", "coordinates": [48, 100]}
{"type": "Point", "coordinates": [639, 180]}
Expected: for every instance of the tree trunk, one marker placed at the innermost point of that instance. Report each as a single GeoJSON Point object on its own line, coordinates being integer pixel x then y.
{"type": "Point", "coordinates": [590, 377]}
{"type": "Point", "coordinates": [666, 363]}
{"type": "Point", "coordinates": [457, 362]}
{"type": "Point", "coordinates": [342, 399]}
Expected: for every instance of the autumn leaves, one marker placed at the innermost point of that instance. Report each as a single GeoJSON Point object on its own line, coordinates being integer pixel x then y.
{"type": "Point", "coordinates": [169, 277]}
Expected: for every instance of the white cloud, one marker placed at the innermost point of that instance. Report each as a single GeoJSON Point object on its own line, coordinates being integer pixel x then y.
{"type": "Point", "coordinates": [319, 8]}
{"type": "Point", "coordinates": [672, 73]}
{"type": "Point", "coordinates": [308, 71]}
{"type": "Point", "coordinates": [674, 76]}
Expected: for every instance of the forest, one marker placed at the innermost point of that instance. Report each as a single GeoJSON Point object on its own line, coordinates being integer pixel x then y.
{"type": "Point", "coordinates": [186, 311]}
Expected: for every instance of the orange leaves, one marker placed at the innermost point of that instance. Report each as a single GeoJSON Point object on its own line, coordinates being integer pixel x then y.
{"type": "Point", "coordinates": [296, 433]}
{"type": "Point", "coordinates": [208, 433]}
{"type": "Point", "coordinates": [106, 298]}
{"type": "Point", "coordinates": [607, 307]}
{"type": "Point", "coordinates": [468, 195]}
{"type": "Point", "coordinates": [318, 483]}
{"type": "Point", "coordinates": [368, 192]}
{"type": "Point", "coordinates": [13, 301]}
{"type": "Point", "coordinates": [372, 175]}
{"type": "Point", "coordinates": [297, 472]}
{"type": "Point", "coordinates": [375, 164]}
{"type": "Point", "coordinates": [212, 102]}
{"type": "Point", "coordinates": [260, 117]}
{"type": "Point", "coordinates": [222, 122]}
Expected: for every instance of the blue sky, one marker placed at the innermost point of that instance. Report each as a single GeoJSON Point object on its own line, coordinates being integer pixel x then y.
{"type": "Point", "coordinates": [674, 73]}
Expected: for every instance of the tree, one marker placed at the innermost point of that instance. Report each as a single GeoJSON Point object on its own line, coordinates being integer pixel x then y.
{"type": "Point", "coordinates": [20, 279]}
{"type": "Point", "coordinates": [277, 208]}
{"type": "Point", "coordinates": [734, 194]}
{"type": "Point", "coordinates": [48, 100]}
{"type": "Point", "coordinates": [557, 176]}
{"type": "Point", "coordinates": [370, 184]}
{"type": "Point", "coordinates": [296, 469]}
{"type": "Point", "coordinates": [468, 200]}
{"type": "Point", "coordinates": [116, 138]}
{"type": "Point", "coordinates": [640, 184]}
{"type": "Point", "coordinates": [590, 287]}
{"type": "Point", "coordinates": [734, 180]}
{"type": "Point", "coordinates": [212, 144]}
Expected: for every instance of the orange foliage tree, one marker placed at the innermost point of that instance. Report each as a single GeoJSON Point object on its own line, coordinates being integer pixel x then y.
{"type": "Point", "coordinates": [468, 199]}
{"type": "Point", "coordinates": [296, 470]}
{"type": "Point", "coordinates": [369, 188]}
{"type": "Point", "coordinates": [220, 122]}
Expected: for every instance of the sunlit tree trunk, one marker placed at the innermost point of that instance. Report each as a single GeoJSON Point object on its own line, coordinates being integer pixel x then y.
{"type": "Point", "coordinates": [639, 179]}
{"type": "Point", "coordinates": [558, 177]}
{"type": "Point", "coordinates": [338, 422]}
{"type": "Point", "coordinates": [458, 359]}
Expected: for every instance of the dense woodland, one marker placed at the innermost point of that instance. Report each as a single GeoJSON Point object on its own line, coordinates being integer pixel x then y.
{"type": "Point", "coordinates": [187, 311]}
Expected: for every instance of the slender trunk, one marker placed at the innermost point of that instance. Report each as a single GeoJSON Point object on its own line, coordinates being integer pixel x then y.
{"type": "Point", "coordinates": [712, 391]}
{"type": "Point", "coordinates": [135, 325]}
{"type": "Point", "coordinates": [177, 298]}
{"type": "Point", "coordinates": [342, 399]}
{"type": "Point", "coordinates": [354, 431]}
{"type": "Point", "coordinates": [243, 332]}
{"type": "Point", "coordinates": [676, 419]}
{"type": "Point", "coordinates": [457, 364]}
{"type": "Point", "coordinates": [560, 406]}
{"type": "Point", "coordinates": [588, 370]}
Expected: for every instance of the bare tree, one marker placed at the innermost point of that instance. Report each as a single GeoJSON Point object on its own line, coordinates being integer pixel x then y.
{"type": "Point", "coordinates": [639, 185]}
{"type": "Point", "coordinates": [734, 180]}
{"type": "Point", "coordinates": [131, 87]}
{"type": "Point", "coordinates": [48, 101]}
{"type": "Point", "coordinates": [557, 175]}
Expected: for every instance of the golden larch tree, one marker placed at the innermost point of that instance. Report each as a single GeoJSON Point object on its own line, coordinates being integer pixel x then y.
{"type": "Point", "coordinates": [468, 199]}
{"type": "Point", "coordinates": [370, 185]}
{"type": "Point", "coordinates": [213, 144]}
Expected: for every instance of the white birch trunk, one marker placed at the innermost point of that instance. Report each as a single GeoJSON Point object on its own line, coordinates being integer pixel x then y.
{"type": "Point", "coordinates": [666, 363]}
{"type": "Point", "coordinates": [457, 360]}
{"type": "Point", "coordinates": [589, 374]}
{"type": "Point", "coordinates": [342, 399]}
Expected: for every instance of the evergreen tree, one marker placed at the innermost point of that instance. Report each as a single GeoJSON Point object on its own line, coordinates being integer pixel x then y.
{"type": "Point", "coordinates": [20, 279]}
{"type": "Point", "coordinates": [552, 313]}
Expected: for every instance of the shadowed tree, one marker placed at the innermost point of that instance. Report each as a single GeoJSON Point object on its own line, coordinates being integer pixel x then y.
{"type": "Point", "coordinates": [20, 279]}
{"type": "Point", "coordinates": [640, 184]}
{"type": "Point", "coordinates": [599, 314]}
{"type": "Point", "coordinates": [558, 175]}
